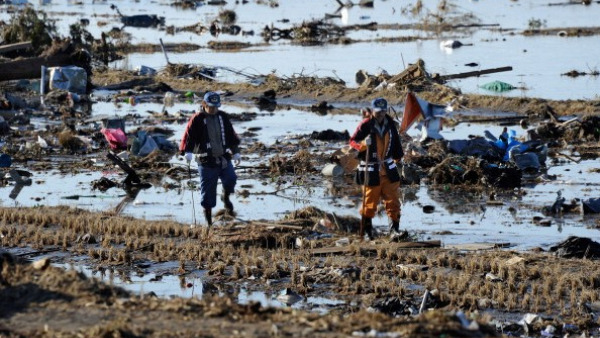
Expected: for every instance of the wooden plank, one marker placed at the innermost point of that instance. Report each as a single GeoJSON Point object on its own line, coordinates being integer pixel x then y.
{"type": "Point", "coordinates": [31, 68]}
{"type": "Point", "coordinates": [413, 71]}
{"type": "Point", "coordinates": [145, 81]}
{"type": "Point", "coordinates": [339, 250]}
{"type": "Point", "coordinates": [416, 245]}
{"type": "Point", "coordinates": [477, 246]}
{"type": "Point", "coordinates": [15, 46]}
{"type": "Point", "coordinates": [278, 226]}
{"type": "Point", "coordinates": [132, 176]}
{"type": "Point", "coordinates": [14, 174]}
{"type": "Point", "coordinates": [476, 73]}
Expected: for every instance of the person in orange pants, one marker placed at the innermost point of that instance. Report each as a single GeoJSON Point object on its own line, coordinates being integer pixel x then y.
{"type": "Point", "coordinates": [378, 142]}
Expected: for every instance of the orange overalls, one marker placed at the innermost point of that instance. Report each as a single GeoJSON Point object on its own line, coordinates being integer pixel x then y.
{"type": "Point", "coordinates": [386, 190]}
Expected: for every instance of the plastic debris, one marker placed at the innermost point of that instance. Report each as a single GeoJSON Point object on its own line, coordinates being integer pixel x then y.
{"type": "Point", "coordinates": [498, 86]}
{"type": "Point", "coordinates": [5, 161]}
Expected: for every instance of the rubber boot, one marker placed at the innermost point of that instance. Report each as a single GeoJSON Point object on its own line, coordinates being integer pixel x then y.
{"type": "Point", "coordinates": [227, 202]}
{"type": "Point", "coordinates": [394, 227]}
{"type": "Point", "coordinates": [368, 227]}
{"type": "Point", "coordinates": [395, 233]}
{"type": "Point", "coordinates": [208, 216]}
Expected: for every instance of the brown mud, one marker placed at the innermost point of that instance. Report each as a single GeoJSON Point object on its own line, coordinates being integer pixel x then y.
{"type": "Point", "coordinates": [42, 300]}
{"type": "Point", "coordinates": [333, 91]}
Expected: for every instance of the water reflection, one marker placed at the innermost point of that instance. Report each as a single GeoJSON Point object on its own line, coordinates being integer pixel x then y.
{"type": "Point", "coordinates": [316, 304]}
{"type": "Point", "coordinates": [542, 59]}
{"type": "Point", "coordinates": [466, 214]}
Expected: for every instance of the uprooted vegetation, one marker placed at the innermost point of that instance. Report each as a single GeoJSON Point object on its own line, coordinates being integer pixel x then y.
{"type": "Point", "coordinates": [30, 25]}
{"type": "Point", "coordinates": [37, 27]}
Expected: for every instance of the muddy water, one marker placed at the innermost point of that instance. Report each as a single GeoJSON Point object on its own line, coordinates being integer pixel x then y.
{"type": "Point", "coordinates": [161, 282]}
{"type": "Point", "coordinates": [458, 217]}
{"type": "Point", "coordinates": [537, 62]}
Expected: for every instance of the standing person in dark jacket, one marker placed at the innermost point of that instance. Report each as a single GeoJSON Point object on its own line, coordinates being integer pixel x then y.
{"type": "Point", "coordinates": [211, 137]}
{"type": "Point", "coordinates": [377, 137]}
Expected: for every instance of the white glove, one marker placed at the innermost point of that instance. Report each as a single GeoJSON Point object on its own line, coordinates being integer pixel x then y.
{"type": "Point", "coordinates": [237, 158]}
{"type": "Point", "coordinates": [188, 157]}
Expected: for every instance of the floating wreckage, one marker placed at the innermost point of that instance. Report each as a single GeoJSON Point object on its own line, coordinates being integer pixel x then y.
{"type": "Point", "coordinates": [415, 77]}
{"type": "Point", "coordinates": [142, 20]}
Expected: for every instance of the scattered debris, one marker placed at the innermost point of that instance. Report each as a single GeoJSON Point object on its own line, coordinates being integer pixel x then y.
{"type": "Point", "coordinates": [142, 20]}
{"type": "Point", "coordinates": [498, 86]}
{"type": "Point", "coordinates": [577, 247]}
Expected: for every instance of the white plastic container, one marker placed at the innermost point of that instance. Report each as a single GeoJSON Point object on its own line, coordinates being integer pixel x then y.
{"type": "Point", "coordinates": [69, 78]}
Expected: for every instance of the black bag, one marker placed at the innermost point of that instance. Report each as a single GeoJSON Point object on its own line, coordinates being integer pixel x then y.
{"type": "Point", "coordinates": [391, 169]}
{"type": "Point", "coordinates": [372, 176]}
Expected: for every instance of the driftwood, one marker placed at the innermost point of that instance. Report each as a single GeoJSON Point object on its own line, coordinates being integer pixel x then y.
{"type": "Point", "coordinates": [373, 248]}
{"type": "Point", "coordinates": [15, 46]}
{"type": "Point", "coordinates": [31, 68]}
{"type": "Point", "coordinates": [278, 226]}
{"type": "Point", "coordinates": [132, 176]}
{"type": "Point", "coordinates": [475, 73]}
{"type": "Point", "coordinates": [413, 71]}
{"type": "Point", "coordinates": [130, 84]}
{"type": "Point", "coordinates": [59, 54]}
{"type": "Point", "coordinates": [506, 120]}
{"type": "Point", "coordinates": [16, 190]}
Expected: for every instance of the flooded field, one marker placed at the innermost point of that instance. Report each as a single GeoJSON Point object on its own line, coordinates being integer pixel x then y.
{"type": "Point", "coordinates": [492, 34]}
{"type": "Point", "coordinates": [482, 259]}
{"type": "Point", "coordinates": [458, 217]}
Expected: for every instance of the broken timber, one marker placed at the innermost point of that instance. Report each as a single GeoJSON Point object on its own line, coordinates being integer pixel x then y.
{"type": "Point", "coordinates": [63, 54]}
{"type": "Point", "coordinates": [30, 68]}
{"type": "Point", "coordinates": [132, 176]}
{"type": "Point", "coordinates": [15, 46]}
{"type": "Point", "coordinates": [18, 178]}
{"type": "Point", "coordinates": [477, 246]}
{"type": "Point", "coordinates": [130, 84]}
{"type": "Point", "coordinates": [475, 73]}
{"type": "Point", "coordinates": [373, 248]}
{"type": "Point", "coordinates": [413, 71]}
{"type": "Point", "coordinates": [278, 226]}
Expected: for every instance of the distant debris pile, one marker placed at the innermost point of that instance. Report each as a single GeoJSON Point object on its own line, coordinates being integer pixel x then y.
{"type": "Point", "coordinates": [415, 77]}
{"type": "Point", "coordinates": [191, 71]}
{"type": "Point", "coordinates": [308, 33]}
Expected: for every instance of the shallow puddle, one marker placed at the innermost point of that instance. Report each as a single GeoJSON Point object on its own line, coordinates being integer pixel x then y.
{"type": "Point", "coordinates": [161, 284]}
{"type": "Point", "coordinates": [316, 304]}
{"type": "Point", "coordinates": [167, 285]}
{"type": "Point", "coordinates": [457, 217]}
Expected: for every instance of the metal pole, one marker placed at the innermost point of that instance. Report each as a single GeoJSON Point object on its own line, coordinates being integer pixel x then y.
{"type": "Point", "coordinates": [362, 219]}
{"type": "Point", "coordinates": [43, 85]}
{"type": "Point", "coordinates": [162, 46]}
{"type": "Point", "coordinates": [192, 189]}
{"type": "Point", "coordinates": [395, 113]}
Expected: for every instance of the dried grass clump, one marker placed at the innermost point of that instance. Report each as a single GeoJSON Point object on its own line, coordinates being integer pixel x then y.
{"type": "Point", "coordinates": [300, 163]}
{"type": "Point", "coordinates": [70, 141]}
{"type": "Point", "coordinates": [227, 17]}
{"type": "Point", "coordinates": [316, 32]}
{"type": "Point", "coordinates": [177, 69]}
{"type": "Point", "coordinates": [458, 170]}
{"type": "Point", "coordinates": [309, 216]}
